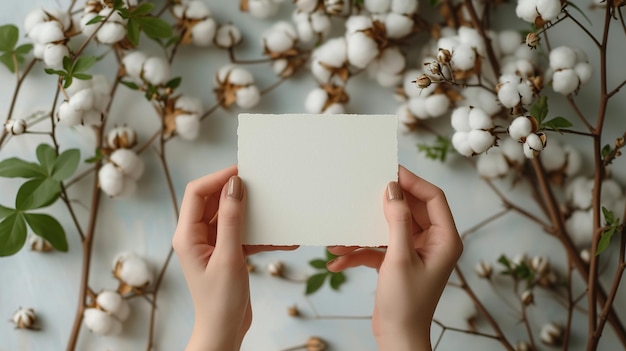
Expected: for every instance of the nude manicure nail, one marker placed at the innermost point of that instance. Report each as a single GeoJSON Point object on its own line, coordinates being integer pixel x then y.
{"type": "Point", "coordinates": [235, 188]}
{"type": "Point", "coordinates": [394, 192]}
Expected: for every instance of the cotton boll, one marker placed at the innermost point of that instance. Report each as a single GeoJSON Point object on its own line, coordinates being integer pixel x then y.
{"type": "Point", "coordinates": [377, 6]}
{"type": "Point", "coordinates": [574, 161]}
{"type": "Point", "coordinates": [132, 270]}
{"type": "Point", "coordinates": [463, 57]}
{"type": "Point", "coordinates": [553, 157]}
{"type": "Point", "coordinates": [488, 102]}
{"type": "Point", "coordinates": [509, 41]}
{"type": "Point", "coordinates": [509, 95]}
{"type": "Point", "coordinates": [203, 33]}
{"type": "Point", "coordinates": [398, 26]}
{"type": "Point", "coordinates": [525, 91]}
{"type": "Point", "coordinates": [480, 140]}
{"type": "Point", "coordinates": [133, 63]}
{"type": "Point", "coordinates": [392, 60]}
{"type": "Point", "coordinates": [520, 128]}
{"type": "Point", "coordinates": [333, 52]}
{"type": "Point", "coordinates": [579, 192]}
{"type": "Point", "coordinates": [227, 36]}
{"type": "Point", "coordinates": [437, 105]}
{"type": "Point", "coordinates": [279, 38]}
{"type": "Point", "coordinates": [513, 151]}
{"type": "Point", "coordinates": [111, 33]}
{"type": "Point", "coordinates": [580, 227]}
{"type": "Point", "coordinates": [99, 322]}
{"type": "Point", "coordinates": [240, 76]}
{"type": "Point", "coordinates": [248, 97]}
{"type": "Point", "coordinates": [128, 162]}
{"type": "Point", "coordinates": [156, 71]}
{"type": "Point", "coordinates": [492, 164]}
{"type": "Point", "coordinates": [534, 142]}
{"type": "Point", "coordinates": [189, 104]}
{"type": "Point", "coordinates": [123, 311]}
{"type": "Point", "coordinates": [528, 151]}
{"type": "Point", "coordinates": [335, 109]}
{"type": "Point", "coordinates": [306, 6]}
{"type": "Point", "coordinates": [110, 179]}
{"type": "Point", "coordinates": [470, 37]}
{"type": "Point", "coordinates": [357, 23]}
{"type": "Point", "coordinates": [197, 10]}
{"type": "Point", "coordinates": [88, 29]}
{"type": "Point", "coordinates": [479, 119]}
{"type": "Point", "coordinates": [187, 126]}
{"type": "Point", "coordinates": [584, 71]}
{"type": "Point", "coordinates": [448, 43]}
{"type": "Point", "coordinates": [15, 126]}
{"type": "Point", "coordinates": [54, 54]}
{"type": "Point", "coordinates": [461, 143]}
{"type": "Point", "coordinates": [315, 100]}
{"type": "Point", "coordinates": [47, 32]}
{"type": "Point", "coordinates": [361, 49]}
{"type": "Point", "coordinates": [82, 100]}
{"type": "Point", "coordinates": [69, 116]}
{"type": "Point", "coordinates": [262, 8]}
{"type": "Point", "coordinates": [320, 22]}
{"type": "Point", "coordinates": [110, 301]}
{"type": "Point", "coordinates": [306, 34]}
{"type": "Point", "coordinates": [38, 50]}
{"type": "Point", "coordinates": [417, 106]}
{"type": "Point", "coordinates": [526, 10]}
{"type": "Point", "coordinates": [562, 57]}
{"type": "Point", "coordinates": [404, 7]}
{"type": "Point", "coordinates": [34, 18]}
{"type": "Point", "coordinates": [549, 9]}
{"type": "Point", "coordinates": [460, 119]}
{"type": "Point", "coordinates": [565, 81]}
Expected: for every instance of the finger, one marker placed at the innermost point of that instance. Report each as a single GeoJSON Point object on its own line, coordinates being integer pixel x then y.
{"type": "Point", "coordinates": [400, 220]}
{"type": "Point", "coordinates": [253, 249]}
{"type": "Point", "coordinates": [342, 250]}
{"type": "Point", "coordinates": [364, 257]}
{"type": "Point", "coordinates": [230, 217]}
{"type": "Point", "coordinates": [192, 209]}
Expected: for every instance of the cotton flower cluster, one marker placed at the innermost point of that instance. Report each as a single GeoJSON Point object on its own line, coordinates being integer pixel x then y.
{"type": "Point", "coordinates": [39, 244]}
{"type": "Point", "coordinates": [538, 12]}
{"type": "Point", "coordinates": [329, 63]}
{"type": "Point", "coordinates": [106, 314]}
{"type": "Point", "coordinates": [552, 334]}
{"type": "Point", "coordinates": [524, 130]}
{"type": "Point", "coordinates": [15, 126]}
{"type": "Point", "coordinates": [279, 42]}
{"type": "Point", "coordinates": [132, 272]}
{"type": "Point", "coordinates": [328, 99]}
{"type": "Point", "coordinates": [88, 99]}
{"type": "Point", "coordinates": [421, 104]}
{"type": "Point", "coordinates": [388, 67]}
{"type": "Point", "coordinates": [235, 85]}
{"type": "Point", "coordinates": [153, 70]}
{"type": "Point", "coordinates": [312, 23]}
{"type": "Point", "coordinates": [515, 93]}
{"type": "Point", "coordinates": [396, 15]}
{"type": "Point", "coordinates": [49, 30]}
{"type": "Point", "coordinates": [112, 31]}
{"type": "Point", "coordinates": [118, 177]}
{"type": "Point", "coordinates": [260, 8]}
{"type": "Point", "coordinates": [570, 69]}
{"type": "Point", "coordinates": [197, 24]}
{"type": "Point", "coordinates": [121, 138]}
{"type": "Point", "coordinates": [185, 112]}
{"type": "Point", "coordinates": [473, 130]}
{"type": "Point", "coordinates": [498, 162]}
{"type": "Point", "coordinates": [561, 162]}
{"type": "Point", "coordinates": [227, 36]}
{"type": "Point", "coordinates": [462, 50]}
{"type": "Point", "coordinates": [24, 318]}
{"type": "Point", "coordinates": [579, 194]}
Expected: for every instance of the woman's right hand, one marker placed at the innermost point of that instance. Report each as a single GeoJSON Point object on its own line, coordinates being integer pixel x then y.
{"type": "Point", "coordinates": [423, 248]}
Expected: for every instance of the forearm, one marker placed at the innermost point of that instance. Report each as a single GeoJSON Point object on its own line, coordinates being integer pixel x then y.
{"type": "Point", "coordinates": [404, 342]}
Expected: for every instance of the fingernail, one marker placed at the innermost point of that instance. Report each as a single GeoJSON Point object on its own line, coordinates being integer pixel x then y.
{"type": "Point", "coordinates": [394, 192]}
{"type": "Point", "coordinates": [331, 261]}
{"type": "Point", "coordinates": [235, 188]}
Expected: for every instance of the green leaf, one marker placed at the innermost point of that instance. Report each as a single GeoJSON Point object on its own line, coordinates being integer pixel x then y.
{"type": "Point", "coordinates": [68, 82]}
{"type": "Point", "coordinates": [130, 85]}
{"type": "Point", "coordinates": [142, 9]}
{"type": "Point", "coordinates": [9, 34]}
{"type": "Point", "coordinates": [606, 151]}
{"type": "Point", "coordinates": [54, 71]}
{"type": "Point", "coordinates": [118, 4]}
{"type": "Point", "coordinates": [37, 193]}
{"type": "Point", "coordinates": [439, 151]}
{"type": "Point", "coordinates": [23, 49]}
{"type": "Point", "coordinates": [133, 29]}
{"type": "Point", "coordinates": [12, 234]}
{"type": "Point", "coordinates": [17, 168]}
{"type": "Point", "coordinates": [337, 279]}
{"type": "Point", "coordinates": [66, 164]}
{"type": "Point", "coordinates": [609, 217]}
{"type": "Point", "coordinates": [503, 260]}
{"type": "Point", "coordinates": [174, 83]}
{"type": "Point", "coordinates": [539, 109]}
{"type": "Point", "coordinates": [5, 211]}
{"type": "Point", "coordinates": [97, 157]}
{"type": "Point", "coordinates": [95, 20]}
{"type": "Point", "coordinates": [558, 122]}
{"type": "Point", "coordinates": [47, 156]}
{"type": "Point", "coordinates": [48, 228]}
{"type": "Point", "coordinates": [318, 263]}
{"type": "Point", "coordinates": [7, 60]}
{"type": "Point", "coordinates": [605, 240]}
{"type": "Point", "coordinates": [154, 27]}
{"type": "Point", "coordinates": [84, 63]}
{"type": "Point", "coordinates": [82, 76]}
{"type": "Point", "coordinates": [315, 282]}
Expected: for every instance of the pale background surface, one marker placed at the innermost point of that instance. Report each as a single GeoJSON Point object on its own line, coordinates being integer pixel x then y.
{"type": "Point", "coordinates": [144, 224]}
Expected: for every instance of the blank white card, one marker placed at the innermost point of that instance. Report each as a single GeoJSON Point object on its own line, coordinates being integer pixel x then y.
{"type": "Point", "coordinates": [316, 179]}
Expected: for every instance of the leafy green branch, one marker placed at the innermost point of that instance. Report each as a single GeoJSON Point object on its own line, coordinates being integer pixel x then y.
{"type": "Point", "coordinates": [438, 151]}
{"type": "Point", "coordinates": [518, 271]}
{"type": "Point", "coordinates": [612, 226]}
{"type": "Point", "coordinates": [42, 189]}
{"type": "Point", "coordinates": [316, 281]}
{"type": "Point", "coordinates": [11, 56]}
{"type": "Point", "coordinates": [74, 70]}
{"type": "Point", "coordinates": [539, 110]}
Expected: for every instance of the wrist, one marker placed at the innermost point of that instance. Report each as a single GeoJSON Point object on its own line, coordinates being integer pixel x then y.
{"type": "Point", "coordinates": [404, 341]}
{"type": "Point", "coordinates": [213, 339]}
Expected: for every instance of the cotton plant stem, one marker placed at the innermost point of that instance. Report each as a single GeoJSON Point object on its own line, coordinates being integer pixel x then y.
{"type": "Point", "coordinates": [583, 28]}
{"type": "Point", "coordinates": [465, 331]}
{"type": "Point", "coordinates": [484, 222]}
{"type": "Point", "coordinates": [529, 331]}
{"type": "Point", "coordinates": [579, 113]}
{"type": "Point", "coordinates": [494, 324]}
{"type": "Point", "coordinates": [570, 307]}
{"type": "Point", "coordinates": [493, 60]}
{"type": "Point", "coordinates": [18, 86]}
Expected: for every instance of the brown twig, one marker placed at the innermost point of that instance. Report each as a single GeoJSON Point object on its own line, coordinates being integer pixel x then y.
{"type": "Point", "coordinates": [570, 306]}
{"type": "Point", "coordinates": [584, 29]}
{"type": "Point", "coordinates": [79, 177]}
{"type": "Point", "coordinates": [465, 331]}
{"type": "Point", "coordinates": [579, 113]}
{"type": "Point", "coordinates": [66, 200]}
{"type": "Point", "coordinates": [18, 86]}
{"type": "Point", "coordinates": [484, 222]}
{"type": "Point", "coordinates": [493, 60]}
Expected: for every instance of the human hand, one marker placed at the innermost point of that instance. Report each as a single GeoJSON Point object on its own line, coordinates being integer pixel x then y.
{"type": "Point", "coordinates": [209, 247]}
{"type": "Point", "coordinates": [423, 247]}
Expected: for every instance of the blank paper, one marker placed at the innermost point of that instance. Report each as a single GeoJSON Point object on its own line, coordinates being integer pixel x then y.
{"type": "Point", "coordinates": [316, 179]}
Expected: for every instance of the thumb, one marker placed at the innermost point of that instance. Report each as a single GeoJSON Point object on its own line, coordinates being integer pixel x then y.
{"type": "Point", "coordinates": [230, 217]}
{"type": "Point", "coordinates": [400, 219]}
